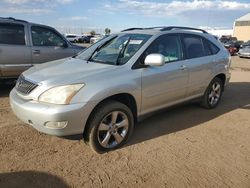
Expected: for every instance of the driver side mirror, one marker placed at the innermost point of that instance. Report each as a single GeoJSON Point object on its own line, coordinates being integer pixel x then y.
{"type": "Point", "coordinates": [154, 60]}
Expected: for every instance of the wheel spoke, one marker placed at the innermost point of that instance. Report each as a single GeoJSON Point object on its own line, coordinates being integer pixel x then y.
{"type": "Point", "coordinates": [114, 117]}
{"type": "Point", "coordinates": [212, 100]}
{"type": "Point", "coordinates": [103, 127]}
{"type": "Point", "coordinates": [214, 86]}
{"type": "Point", "coordinates": [217, 87]}
{"type": "Point", "coordinates": [210, 95]}
{"type": "Point", "coordinates": [123, 123]}
{"type": "Point", "coordinates": [217, 96]}
{"type": "Point", "coordinates": [118, 137]}
{"type": "Point", "coordinates": [106, 139]}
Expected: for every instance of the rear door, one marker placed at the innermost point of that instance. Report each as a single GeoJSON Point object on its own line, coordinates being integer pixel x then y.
{"type": "Point", "coordinates": [200, 62]}
{"type": "Point", "coordinates": [48, 45]}
{"type": "Point", "coordinates": [15, 52]}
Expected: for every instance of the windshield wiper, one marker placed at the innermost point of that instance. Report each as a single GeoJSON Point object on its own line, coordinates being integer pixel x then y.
{"type": "Point", "coordinates": [99, 47]}
{"type": "Point", "coordinates": [122, 51]}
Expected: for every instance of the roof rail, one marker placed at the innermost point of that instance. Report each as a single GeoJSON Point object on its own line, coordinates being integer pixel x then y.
{"type": "Point", "coordinates": [133, 28]}
{"type": "Point", "coordinates": [184, 28]}
{"type": "Point", "coordinates": [166, 28]}
{"type": "Point", "coordinates": [13, 19]}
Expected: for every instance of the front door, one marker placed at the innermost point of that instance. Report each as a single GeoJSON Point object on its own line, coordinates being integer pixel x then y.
{"type": "Point", "coordinates": [164, 85]}
{"type": "Point", "coordinates": [48, 45]}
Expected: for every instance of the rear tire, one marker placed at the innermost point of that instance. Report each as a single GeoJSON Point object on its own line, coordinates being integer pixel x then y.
{"type": "Point", "coordinates": [212, 96]}
{"type": "Point", "coordinates": [110, 126]}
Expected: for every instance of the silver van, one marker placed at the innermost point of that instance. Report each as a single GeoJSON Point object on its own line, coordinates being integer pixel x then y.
{"type": "Point", "coordinates": [24, 44]}
{"type": "Point", "coordinates": [102, 92]}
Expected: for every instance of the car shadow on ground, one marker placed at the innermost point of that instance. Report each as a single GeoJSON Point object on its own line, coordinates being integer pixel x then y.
{"type": "Point", "coordinates": [236, 96]}
{"type": "Point", "coordinates": [6, 86]}
{"type": "Point", "coordinates": [30, 179]}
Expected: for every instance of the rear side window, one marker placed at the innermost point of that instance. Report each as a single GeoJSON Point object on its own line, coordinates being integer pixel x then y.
{"type": "Point", "coordinates": [193, 46]}
{"type": "Point", "coordinates": [12, 34]}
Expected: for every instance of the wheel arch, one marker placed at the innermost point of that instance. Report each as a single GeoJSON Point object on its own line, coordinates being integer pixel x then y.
{"type": "Point", "coordinates": [221, 76]}
{"type": "Point", "coordinates": [124, 98]}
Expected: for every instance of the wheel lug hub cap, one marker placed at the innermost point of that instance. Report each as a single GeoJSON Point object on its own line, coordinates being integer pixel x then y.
{"type": "Point", "coordinates": [113, 129]}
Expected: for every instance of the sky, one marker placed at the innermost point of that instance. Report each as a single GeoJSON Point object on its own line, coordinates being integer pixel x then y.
{"type": "Point", "coordinates": [87, 15]}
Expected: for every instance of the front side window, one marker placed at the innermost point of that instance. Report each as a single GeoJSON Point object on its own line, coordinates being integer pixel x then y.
{"type": "Point", "coordinates": [12, 34]}
{"type": "Point", "coordinates": [167, 45]}
{"type": "Point", "coordinates": [194, 46]}
{"type": "Point", "coordinates": [119, 50]}
{"type": "Point", "coordinates": [45, 37]}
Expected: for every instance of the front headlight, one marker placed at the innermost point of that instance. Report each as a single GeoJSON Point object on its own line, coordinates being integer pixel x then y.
{"type": "Point", "coordinates": [60, 94]}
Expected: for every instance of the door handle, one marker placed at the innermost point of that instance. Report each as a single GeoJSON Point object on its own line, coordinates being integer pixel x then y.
{"type": "Point", "coordinates": [183, 67]}
{"type": "Point", "coordinates": [36, 52]}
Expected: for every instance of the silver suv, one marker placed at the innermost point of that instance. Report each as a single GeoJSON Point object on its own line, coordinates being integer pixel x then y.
{"type": "Point", "coordinates": [106, 89]}
{"type": "Point", "coordinates": [24, 44]}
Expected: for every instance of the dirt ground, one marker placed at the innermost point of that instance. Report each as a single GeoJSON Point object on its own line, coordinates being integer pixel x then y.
{"type": "Point", "coordinates": [182, 147]}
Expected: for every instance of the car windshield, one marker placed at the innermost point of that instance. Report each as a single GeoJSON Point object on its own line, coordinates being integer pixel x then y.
{"type": "Point", "coordinates": [117, 50]}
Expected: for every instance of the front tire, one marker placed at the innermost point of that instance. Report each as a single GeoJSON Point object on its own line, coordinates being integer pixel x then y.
{"type": "Point", "coordinates": [213, 94]}
{"type": "Point", "coordinates": [110, 126]}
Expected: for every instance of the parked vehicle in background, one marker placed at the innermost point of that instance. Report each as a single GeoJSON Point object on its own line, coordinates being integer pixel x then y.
{"type": "Point", "coordinates": [245, 44]}
{"type": "Point", "coordinates": [225, 39]}
{"type": "Point", "coordinates": [73, 38]}
{"type": "Point", "coordinates": [85, 38]}
{"type": "Point", "coordinates": [95, 39]}
{"type": "Point", "coordinates": [244, 52]}
{"type": "Point", "coordinates": [24, 44]}
{"type": "Point", "coordinates": [108, 87]}
{"type": "Point", "coordinates": [233, 46]}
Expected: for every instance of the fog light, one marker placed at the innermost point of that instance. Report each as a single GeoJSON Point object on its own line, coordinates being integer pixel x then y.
{"type": "Point", "coordinates": [56, 125]}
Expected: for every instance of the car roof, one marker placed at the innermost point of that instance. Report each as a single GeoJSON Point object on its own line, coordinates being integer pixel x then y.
{"type": "Point", "coordinates": [158, 30]}
{"type": "Point", "coordinates": [14, 20]}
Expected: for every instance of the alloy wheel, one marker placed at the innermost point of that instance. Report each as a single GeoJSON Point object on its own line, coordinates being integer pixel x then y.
{"type": "Point", "coordinates": [214, 94]}
{"type": "Point", "coordinates": [113, 129]}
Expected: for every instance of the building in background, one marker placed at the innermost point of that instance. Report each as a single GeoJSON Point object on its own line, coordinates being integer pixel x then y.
{"type": "Point", "coordinates": [242, 28]}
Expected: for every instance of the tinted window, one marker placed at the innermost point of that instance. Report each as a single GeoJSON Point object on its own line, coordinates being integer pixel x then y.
{"type": "Point", "coordinates": [45, 37]}
{"type": "Point", "coordinates": [12, 34]}
{"type": "Point", "coordinates": [207, 48]}
{"type": "Point", "coordinates": [71, 36]}
{"type": "Point", "coordinates": [167, 45]}
{"type": "Point", "coordinates": [194, 47]}
{"type": "Point", "coordinates": [212, 47]}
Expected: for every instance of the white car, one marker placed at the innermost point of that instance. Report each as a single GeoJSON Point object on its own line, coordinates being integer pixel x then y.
{"type": "Point", "coordinates": [95, 39]}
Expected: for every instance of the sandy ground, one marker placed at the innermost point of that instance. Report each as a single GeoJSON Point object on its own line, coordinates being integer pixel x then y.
{"type": "Point", "coordinates": [182, 147]}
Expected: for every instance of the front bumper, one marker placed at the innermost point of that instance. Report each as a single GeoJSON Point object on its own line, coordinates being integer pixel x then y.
{"type": "Point", "coordinates": [38, 114]}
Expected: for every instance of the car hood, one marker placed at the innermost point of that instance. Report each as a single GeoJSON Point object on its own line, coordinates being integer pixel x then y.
{"type": "Point", "coordinates": [69, 70]}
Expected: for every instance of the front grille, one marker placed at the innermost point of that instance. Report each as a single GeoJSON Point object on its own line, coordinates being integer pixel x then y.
{"type": "Point", "coordinates": [24, 86]}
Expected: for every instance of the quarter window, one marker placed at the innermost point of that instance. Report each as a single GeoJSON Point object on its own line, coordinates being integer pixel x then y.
{"type": "Point", "coordinates": [214, 49]}
{"type": "Point", "coordinates": [45, 37]}
{"type": "Point", "coordinates": [167, 45]}
{"type": "Point", "coordinates": [12, 34]}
